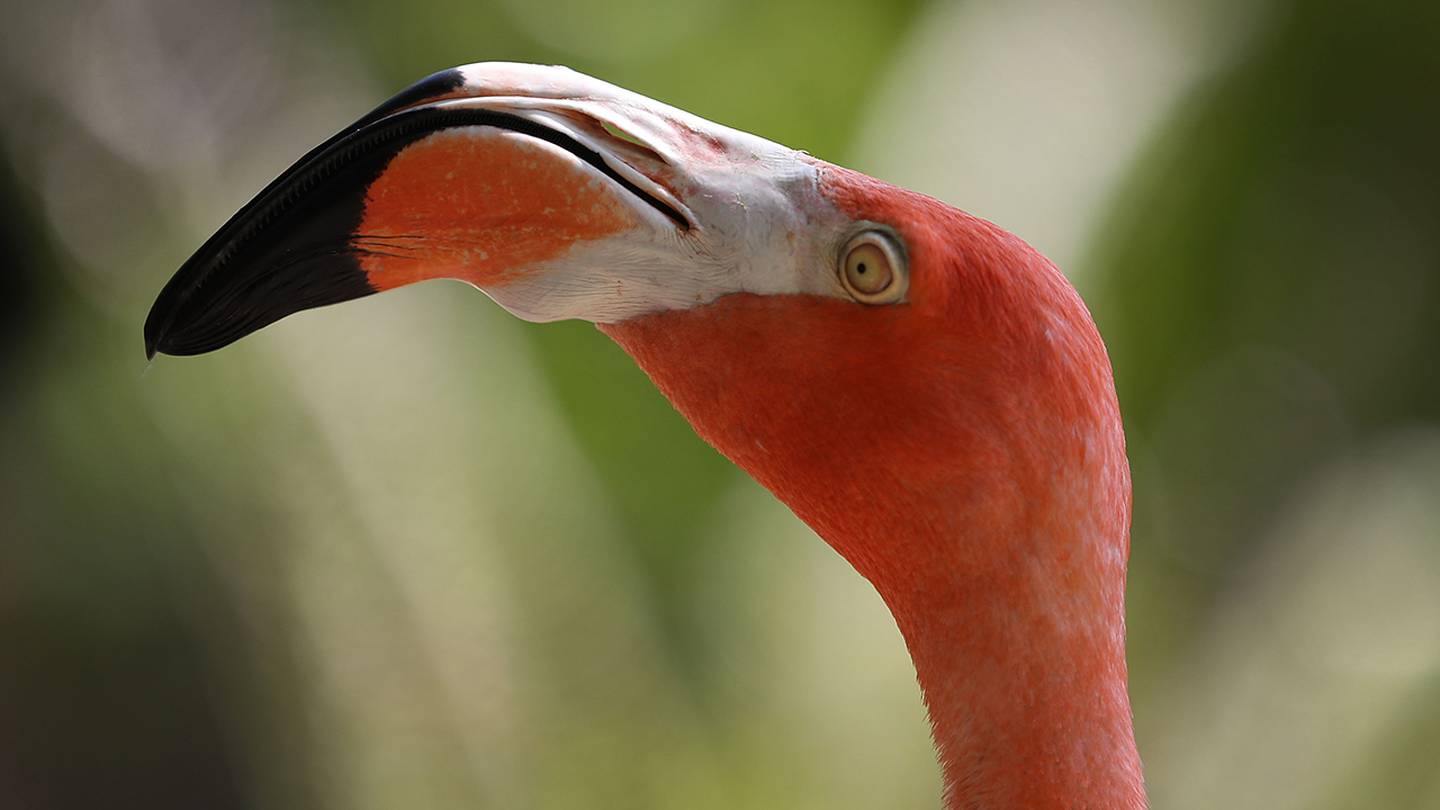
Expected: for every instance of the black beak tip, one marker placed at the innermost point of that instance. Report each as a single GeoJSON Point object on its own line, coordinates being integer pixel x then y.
{"type": "Point", "coordinates": [152, 344]}
{"type": "Point", "coordinates": [153, 332]}
{"type": "Point", "coordinates": [288, 249]}
{"type": "Point", "coordinates": [159, 324]}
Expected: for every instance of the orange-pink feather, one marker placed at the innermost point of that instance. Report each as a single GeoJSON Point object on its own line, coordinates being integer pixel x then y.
{"type": "Point", "coordinates": [964, 451]}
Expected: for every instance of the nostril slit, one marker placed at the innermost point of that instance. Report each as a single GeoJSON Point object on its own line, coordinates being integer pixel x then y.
{"type": "Point", "coordinates": [617, 132]}
{"type": "Point", "coordinates": [612, 136]}
{"type": "Point", "coordinates": [621, 134]}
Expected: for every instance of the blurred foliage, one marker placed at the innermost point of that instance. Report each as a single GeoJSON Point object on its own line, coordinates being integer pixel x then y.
{"type": "Point", "coordinates": [411, 552]}
{"type": "Point", "coordinates": [1269, 283]}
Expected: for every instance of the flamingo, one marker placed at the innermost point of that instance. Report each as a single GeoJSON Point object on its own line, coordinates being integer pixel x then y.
{"type": "Point", "coordinates": [921, 387]}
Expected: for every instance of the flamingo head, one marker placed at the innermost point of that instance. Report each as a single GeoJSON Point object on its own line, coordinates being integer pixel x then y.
{"type": "Point", "coordinates": [806, 318]}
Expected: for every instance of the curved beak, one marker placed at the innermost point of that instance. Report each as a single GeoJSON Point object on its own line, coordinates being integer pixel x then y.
{"type": "Point", "coordinates": [558, 195]}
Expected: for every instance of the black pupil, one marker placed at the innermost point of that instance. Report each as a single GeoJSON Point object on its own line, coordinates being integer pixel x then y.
{"type": "Point", "coordinates": [860, 268]}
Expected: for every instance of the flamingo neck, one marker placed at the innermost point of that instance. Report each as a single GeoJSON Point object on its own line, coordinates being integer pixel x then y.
{"type": "Point", "coordinates": [1006, 578]}
{"type": "Point", "coordinates": [985, 494]}
{"type": "Point", "coordinates": [1023, 674]}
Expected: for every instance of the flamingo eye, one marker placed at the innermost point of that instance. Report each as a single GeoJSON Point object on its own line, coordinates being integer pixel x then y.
{"type": "Point", "coordinates": [873, 268]}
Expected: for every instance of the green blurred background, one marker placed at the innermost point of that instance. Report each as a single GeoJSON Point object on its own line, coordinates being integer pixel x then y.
{"type": "Point", "coordinates": [411, 552]}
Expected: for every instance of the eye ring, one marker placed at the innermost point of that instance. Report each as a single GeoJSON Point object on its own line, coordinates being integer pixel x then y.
{"type": "Point", "coordinates": [873, 268]}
